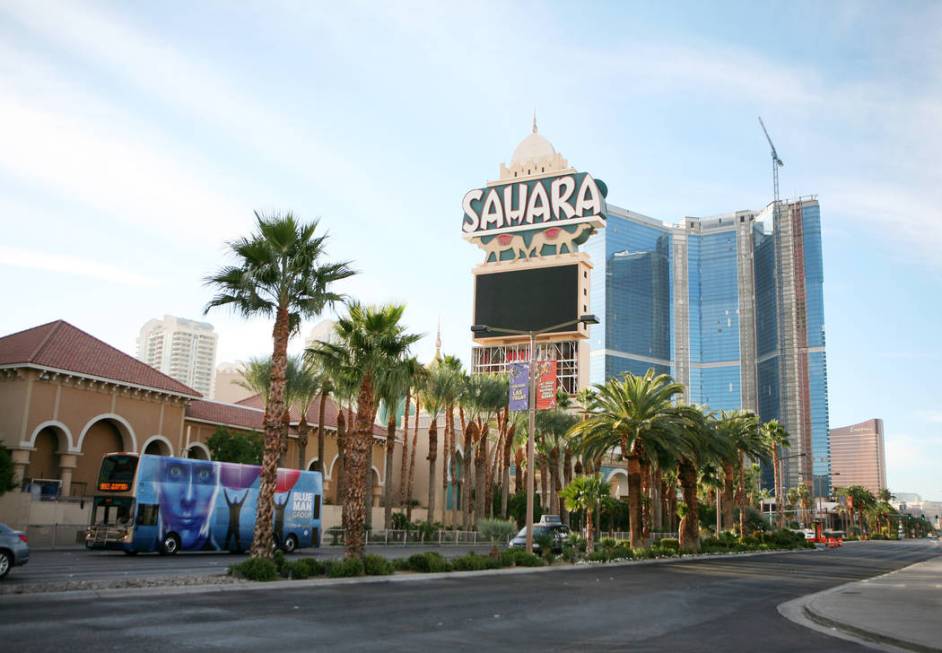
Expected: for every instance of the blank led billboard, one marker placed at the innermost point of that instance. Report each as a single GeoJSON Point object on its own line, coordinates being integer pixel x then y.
{"type": "Point", "coordinates": [528, 300]}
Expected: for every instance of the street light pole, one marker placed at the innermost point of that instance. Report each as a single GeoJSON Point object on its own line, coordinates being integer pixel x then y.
{"type": "Point", "coordinates": [531, 441]}
{"type": "Point", "coordinates": [482, 329]}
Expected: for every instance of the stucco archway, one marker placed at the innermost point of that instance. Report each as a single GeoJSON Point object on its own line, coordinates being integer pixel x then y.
{"type": "Point", "coordinates": [157, 445]}
{"type": "Point", "coordinates": [199, 451]}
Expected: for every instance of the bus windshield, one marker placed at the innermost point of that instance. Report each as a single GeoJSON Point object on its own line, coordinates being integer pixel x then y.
{"type": "Point", "coordinates": [117, 473]}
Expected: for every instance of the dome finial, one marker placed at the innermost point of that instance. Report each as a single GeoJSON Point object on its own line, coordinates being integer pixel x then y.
{"type": "Point", "coordinates": [534, 122]}
{"type": "Point", "coordinates": [438, 341]}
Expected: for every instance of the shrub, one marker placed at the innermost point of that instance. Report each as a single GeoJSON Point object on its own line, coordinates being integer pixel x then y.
{"type": "Point", "coordinates": [621, 551]}
{"type": "Point", "coordinates": [346, 568]}
{"type": "Point", "coordinates": [497, 530]}
{"type": "Point", "coordinates": [295, 571]}
{"type": "Point", "coordinates": [520, 558]}
{"type": "Point", "coordinates": [258, 569]}
{"type": "Point", "coordinates": [278, 557]}
{"type": "Point", "coordinates": [545, 542]}
{"type": "Point", "coordinates": [669, 543]}
{"type": "Point", "coordinates": [474, 562]}
{"type": "Point", "coordinates": [311, 566]}
{"type": "Point", "coordinates": [607, 542]}
{"type": "Point", "coordinates": [569, 553]}
{"type": "Point", "coordinates": [599, 555]}
{"type": "Point", "coordinates": [375, 565]}
{"type": "Point", "coordinates": [427, 562]}
{"type": "Point", "coordinates": [400, 522]}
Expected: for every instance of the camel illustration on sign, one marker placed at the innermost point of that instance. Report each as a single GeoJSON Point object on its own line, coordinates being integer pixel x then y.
{"type": "Point", "coordinates": [525, 245]}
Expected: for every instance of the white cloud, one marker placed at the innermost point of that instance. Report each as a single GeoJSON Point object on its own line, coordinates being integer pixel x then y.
{"type": "Point", "coordinates": [32, 259]}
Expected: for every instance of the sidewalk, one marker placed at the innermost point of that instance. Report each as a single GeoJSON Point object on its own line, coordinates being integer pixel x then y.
{"type": "Point", "coordinates": [902, 608]}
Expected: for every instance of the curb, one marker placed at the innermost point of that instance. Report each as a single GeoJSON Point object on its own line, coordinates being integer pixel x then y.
{"type": "Point", "coordinates": [801, 611]}
{"type": "Point", "coordinates": [315, 583]}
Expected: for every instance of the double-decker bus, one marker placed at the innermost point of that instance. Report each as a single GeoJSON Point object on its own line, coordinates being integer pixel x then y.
{"type": "Point", "coordinates": [159, 503]}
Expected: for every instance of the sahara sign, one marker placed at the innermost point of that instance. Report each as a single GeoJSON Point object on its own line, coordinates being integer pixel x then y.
{"type": "Point", "coordinates": [538, 203]}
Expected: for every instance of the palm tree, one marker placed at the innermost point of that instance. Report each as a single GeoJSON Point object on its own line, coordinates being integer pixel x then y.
{"type": "Point", "coordinates": [452, 395]}
{"type": "Point", "coordinates": [584, 493]}
{"type": "Point", "coordinates": [392, 386]}
{"type": "Point", "coordinates": [636, 414]}
{"type": "Point", "coordinates": [278, 273]}
{"type": "Point", "coordinates": [415, 372]}
{"type": "Point", "coordinates": [778, 439]}
{"type": "Point", "coordinates": [433, 395]}
{"type": "Point", "coordinates": [741, 428]}
{"type": "Point", "coordinates": [372, 345]}
{"type": "Point", "coordinates": [304, 387]}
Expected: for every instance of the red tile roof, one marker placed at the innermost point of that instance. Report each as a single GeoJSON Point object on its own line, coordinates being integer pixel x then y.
{"type": "Point", "coordinates": [226, 414]}
{"type": "Point", "coordinates": [60, 346]}
{"type": "Point", "coordinates": [313, 412]}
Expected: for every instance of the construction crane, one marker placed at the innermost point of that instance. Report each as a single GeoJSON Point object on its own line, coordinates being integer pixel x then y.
{"type": "Point", "coordinates": [776, 164]}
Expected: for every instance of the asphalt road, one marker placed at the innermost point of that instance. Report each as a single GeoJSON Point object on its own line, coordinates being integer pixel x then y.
{"type": "Point", "coordinates": [704, 605]}
{"type": "Point", "coordinates": [80, 564]}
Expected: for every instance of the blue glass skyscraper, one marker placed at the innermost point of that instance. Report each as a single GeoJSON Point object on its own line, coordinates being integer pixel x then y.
{"type": "Point", "coordinates": [731, 306]}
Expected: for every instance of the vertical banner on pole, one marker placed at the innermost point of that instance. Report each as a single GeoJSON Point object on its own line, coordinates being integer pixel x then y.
{"type": "Point", "coordinates": [546, 388]}
{"type": "Point", "coordinates": [519, 386]}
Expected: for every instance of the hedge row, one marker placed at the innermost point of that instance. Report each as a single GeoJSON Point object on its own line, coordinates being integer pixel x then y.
{"type": "Point", "coordinates": [608, 549]}
{"type": "Point", "coordinates": [259, 569]}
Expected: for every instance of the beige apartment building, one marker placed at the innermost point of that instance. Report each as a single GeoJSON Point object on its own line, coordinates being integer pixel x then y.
{"type": "Point", "coordinates": [858, 456]}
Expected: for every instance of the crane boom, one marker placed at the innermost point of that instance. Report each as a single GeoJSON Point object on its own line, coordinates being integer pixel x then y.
{"type": "Point", "coordinates": [775, 158]}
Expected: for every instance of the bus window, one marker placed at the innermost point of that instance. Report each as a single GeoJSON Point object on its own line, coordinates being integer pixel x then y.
{"type": "Point", "coordinates": [111, 510]}
{"type": "Point", "coordinates": [147, 514]}
{"type": "Point", "coordinates": [317, 506]}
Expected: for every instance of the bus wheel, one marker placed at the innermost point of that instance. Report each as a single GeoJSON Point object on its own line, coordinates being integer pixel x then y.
{"type": "Point", "coordinates": [291, 543]}
{"type": "Point", "coordinates": [170, 545]}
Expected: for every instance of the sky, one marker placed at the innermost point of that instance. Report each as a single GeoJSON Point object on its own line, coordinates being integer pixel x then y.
{"type": "Point", "coordinates": [137, 138]}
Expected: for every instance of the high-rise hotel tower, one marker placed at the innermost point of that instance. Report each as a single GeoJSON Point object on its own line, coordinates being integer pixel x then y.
{"type": "Point", "coordinates": [731, 306]}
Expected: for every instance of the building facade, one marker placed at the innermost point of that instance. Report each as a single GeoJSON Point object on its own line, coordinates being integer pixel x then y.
{"type": "Point", "coordinates": [67, 399]}
{"type": "Point", "coordinates": [731, 306]}
{"type": "Point", "coordinates": [858, 456]}
{"type": "Point", "coordinates": [182, 349]}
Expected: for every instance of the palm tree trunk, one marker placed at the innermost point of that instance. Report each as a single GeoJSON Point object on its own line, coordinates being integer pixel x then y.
{"type": "Point", "coordinates": [589, 531]}
{"type": "Point", "coordinates": [415, 441]}
{"type": "Point", "coordinates": [689, 532]}
{"type": "Point", "coordinates": [303, 430]}
{"type": "Point", "coordinates": [262, 539]}
{"type": "Point", "coordinates": [404, 468]}
{"type": "Point", "coordinates": [341, 455]}
{"type": "Point", "coordinates": [741, 497]}
{"type": "Point", "coordinates": [505, 481]}
{"type": "Point", "coordinates": [321, 435]}
{"type": "Point", "coordinates": [390, 453]}
{"type": "Point", "coordinates": [567, 479]}
{"type": "Point", "coordinates": [480, 476]}
{"type": "Point", "coordinates": [446, 455]}
{"type": "Point", "coordinates": [544, 484]}
{"type": "Point", "coordinates": [555, 484]}
{"type": "Point", "coordinates": [466, 477]}
{"type": "Point", "coordinates": [779, 499]}
{"type": "Point", "coordinates": [356, 469]}
{"type": "Point", "coordinates": [432, 458]}
{"type": "Point", "coordinates": [729, 496]}
{"type": "Point", "coordinates": [658, 504]}
{"type": "Point", "coordinates": [646, 502]}
{"type": "Point", "coordinates": [634, 501]}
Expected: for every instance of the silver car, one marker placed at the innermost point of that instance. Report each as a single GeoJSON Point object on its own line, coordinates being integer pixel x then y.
{"type": "Point", "coordinates": [14, 549]}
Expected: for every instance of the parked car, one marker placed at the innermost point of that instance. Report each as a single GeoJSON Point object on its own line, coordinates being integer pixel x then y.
{"type": "Point", "coordinates": [14, 549]}
{"type": "Point", "coordinates": [550, 525]}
